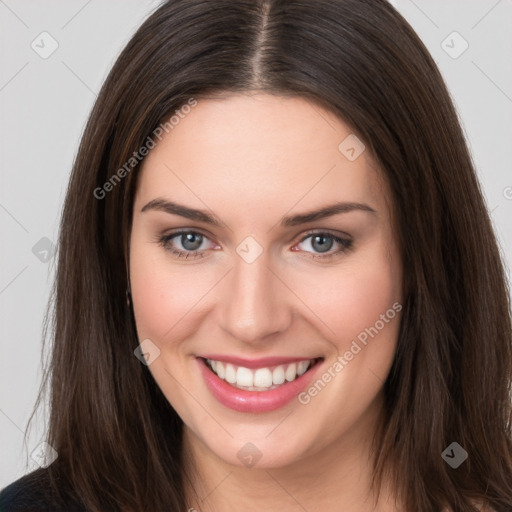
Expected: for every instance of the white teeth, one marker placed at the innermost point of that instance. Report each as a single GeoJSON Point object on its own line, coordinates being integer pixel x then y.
{"type": "Point", "coordinates": [219, 369]}
{"type": "Point", "coordinates": [278, 375]}
{"type": "Point", "coordinates": [302, 367]}
{"type": "Point", "coordinates": [261, 379]}
{"type": "Point", "coordinates": [230, 374]}
{"type": "Point", "coordinates": [244, 377]}
{"type": "Point", "coordinates": [291, 372]}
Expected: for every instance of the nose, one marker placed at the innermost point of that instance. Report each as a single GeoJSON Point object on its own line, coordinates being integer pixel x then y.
{"type": "Point", "coordinates": [254, 304]}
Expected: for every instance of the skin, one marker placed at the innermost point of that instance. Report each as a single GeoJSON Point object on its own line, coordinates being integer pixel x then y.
{"type": "Point", "coordinates": [250, 159]}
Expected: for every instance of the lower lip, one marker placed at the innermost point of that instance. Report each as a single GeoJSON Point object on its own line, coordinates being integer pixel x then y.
{"type": "Point", "coordinates": [254, 401]}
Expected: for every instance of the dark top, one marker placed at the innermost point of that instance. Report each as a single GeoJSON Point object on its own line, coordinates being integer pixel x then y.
{"type": "Point", "coordinates": [31, 493]}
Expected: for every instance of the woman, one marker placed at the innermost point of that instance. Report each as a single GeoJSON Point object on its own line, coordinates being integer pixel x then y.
{"type": "Point", "coordinates": [278, 286]}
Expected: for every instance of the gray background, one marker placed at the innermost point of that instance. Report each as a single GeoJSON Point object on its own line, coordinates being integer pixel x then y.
{"type": "Point", "coordinates": [44, 103]}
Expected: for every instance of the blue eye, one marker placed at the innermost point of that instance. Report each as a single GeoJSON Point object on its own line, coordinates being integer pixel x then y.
{"type": "Point", "coordinates": [190, 241]}
{"type": "Point", "coordinates": [192, 245]}
{"type": "Point", "coordinates": [323, 242]}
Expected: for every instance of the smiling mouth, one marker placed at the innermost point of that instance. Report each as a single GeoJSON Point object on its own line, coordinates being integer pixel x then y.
{"type": "Point", "coordinates": [260, 379]}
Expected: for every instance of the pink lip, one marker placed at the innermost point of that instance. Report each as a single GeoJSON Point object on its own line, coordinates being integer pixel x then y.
{"type": "Point", "coordinates": [254, 401]}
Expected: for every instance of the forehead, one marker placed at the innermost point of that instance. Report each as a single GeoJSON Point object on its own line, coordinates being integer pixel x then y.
{"type": "Point", "coordinates": [252, 152]}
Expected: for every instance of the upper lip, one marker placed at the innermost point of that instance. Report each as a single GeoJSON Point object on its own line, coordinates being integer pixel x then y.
{"type": "Point", "coordinates": [262, 362]}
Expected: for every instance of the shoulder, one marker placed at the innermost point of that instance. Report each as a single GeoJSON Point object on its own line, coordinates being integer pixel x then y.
{"type": "Point", "coordinates": [32, 493]}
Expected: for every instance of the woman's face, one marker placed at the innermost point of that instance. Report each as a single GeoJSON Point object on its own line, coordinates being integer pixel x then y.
{"type": "Point", "coordinates": [262, 240]}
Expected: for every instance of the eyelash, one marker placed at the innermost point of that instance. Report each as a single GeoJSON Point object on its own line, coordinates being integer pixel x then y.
{"type": "Point", "coordinates": [345, 244]}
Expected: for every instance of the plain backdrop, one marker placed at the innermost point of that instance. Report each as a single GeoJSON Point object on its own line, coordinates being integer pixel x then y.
{"type": "Point", "coordinates": [54, 56]}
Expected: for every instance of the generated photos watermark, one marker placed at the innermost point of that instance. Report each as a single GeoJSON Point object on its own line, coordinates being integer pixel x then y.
{"type": "Point", "coordinates": [356, 346]}
{"type": "Point", "coordinates": [454, 455]}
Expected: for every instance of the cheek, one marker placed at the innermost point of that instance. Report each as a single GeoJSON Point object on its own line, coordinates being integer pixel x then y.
{"type": "Point", "coordinates": [163, 293]}
{"type": "Point", "coordinates": [351, 298]}
{"type": "Point", "coordinates": [166, 298]}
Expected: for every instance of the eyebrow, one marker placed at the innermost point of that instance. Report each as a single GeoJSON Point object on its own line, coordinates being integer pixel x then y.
{"type": "Point", "coordinates": [290, 221]}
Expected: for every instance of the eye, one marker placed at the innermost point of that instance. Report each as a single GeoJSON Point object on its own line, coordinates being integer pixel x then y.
{"type": "Point", "coordinates": [322, 244]}
{"type": "Point", "coordinates": [191, 244]}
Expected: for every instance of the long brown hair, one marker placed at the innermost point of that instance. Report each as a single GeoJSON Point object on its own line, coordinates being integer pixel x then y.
{"type": "Point", "coordinates": [117, 437]}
